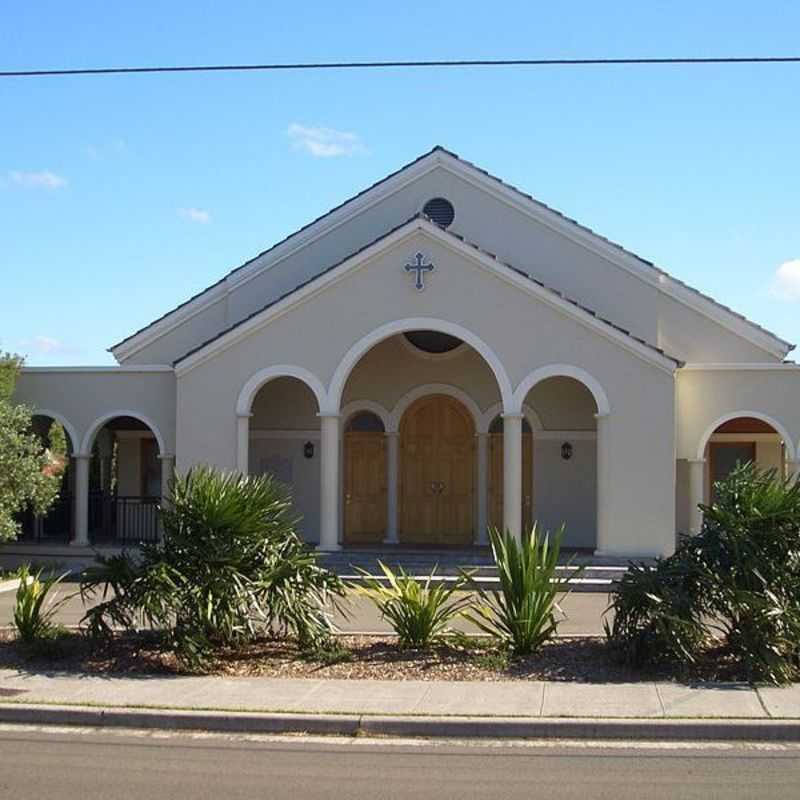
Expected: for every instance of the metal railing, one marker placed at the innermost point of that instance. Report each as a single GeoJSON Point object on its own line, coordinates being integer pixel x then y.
{"type": "Point", "coordinates": [122, 520]}
{"type": "Point", "coordinates": [54, 527]}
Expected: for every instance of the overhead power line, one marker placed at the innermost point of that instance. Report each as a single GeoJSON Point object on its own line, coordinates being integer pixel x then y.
{"type": "Point", "coordinates": [331, 65]}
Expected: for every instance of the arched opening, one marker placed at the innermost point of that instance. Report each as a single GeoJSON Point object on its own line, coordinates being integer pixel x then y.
{"type": "Point", "coordinates": [56, 525]}
{"type": "Point", "coordinates": [401, 373]}
{"type": "Point", "coordinates": [739, 440]}
{"type": "Point", "coordinates": [437, 473]}
{"type": "Point", "coordinates": [496, 474]}
{"type": "Point", "coordinates": [125, 483]}
{"type": "Point", "coordinates": [365, 479]}
{"type": "Point", "coordinates": [284, 441]}
{"type": "Point", "coordinates": [564, 457]}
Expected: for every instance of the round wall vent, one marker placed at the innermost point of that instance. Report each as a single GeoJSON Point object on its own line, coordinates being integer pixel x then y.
{"type": "Point", "coordinates": [441, 211]}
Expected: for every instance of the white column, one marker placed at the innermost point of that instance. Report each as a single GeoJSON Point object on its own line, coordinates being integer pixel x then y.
{"type": "Point", "coordinates": [243, 443]}
{"type": "Point", "coordinates": [481, 536]}
{"type": "Point", "coordinates": [167, 473]}
{"type": "Point", "coordinates": [603, 490]}
{"type": "Point", "coordinates": [697, 482]}
{"type": "Point", "coordinates": [81, 499]}
{"type": "Point", "coordinates": [793, 469]}
{"type": "Point", "coordinates": [512, 473]}
{"type": "Point", "coordinates": [329, 482]}
{"type": "Point", "coordinates": [392, 470]}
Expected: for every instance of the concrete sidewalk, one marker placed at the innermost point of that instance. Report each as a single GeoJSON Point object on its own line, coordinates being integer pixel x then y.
{"type": "Point", "coordinates": [530, 699]}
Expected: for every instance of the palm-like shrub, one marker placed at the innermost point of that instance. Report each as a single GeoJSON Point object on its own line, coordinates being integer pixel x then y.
{"type": "Point", "coordinates": [522, 613]}
{"type": "Point", "coordinates": [418, 611]}
{"type": "Point", "coordinates": [737, 581]}
{"type": "Point", "coordinates": [34, 608]}
{"type": "Point", "coordinates": [230, 566]}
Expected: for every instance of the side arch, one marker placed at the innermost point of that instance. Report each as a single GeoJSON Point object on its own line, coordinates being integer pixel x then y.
{"type": "Point", "coordinates": [409, 398]}
{"type": "Point", "coordinates": [94, 428]}
{"type": "Point", "coordinates": [497, 409]}
{"type": "Point", "coordinates": [562, 371]}
{"type": "Point", "coordinates": [366, 343]}
{"type": "Point", "coordinates": [357, 406]}
{"type": "Point", "coordinates": [777, 426]}
{"type": "Point", "coordinates": [72, 432]}
{"type": "Point", "coordinates": [250, 389]}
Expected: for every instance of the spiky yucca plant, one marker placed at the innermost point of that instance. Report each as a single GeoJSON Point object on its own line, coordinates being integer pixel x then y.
{"type": "Point", "coordinates": [34, 607]}
{"type": "Point", "coordinates": [419, 611]}
{"type": "Point", "coordinates": [522, 613]}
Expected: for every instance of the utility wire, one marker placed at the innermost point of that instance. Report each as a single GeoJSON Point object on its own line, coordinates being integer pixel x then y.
{"type": "Point", "coordinates": [330, 65]}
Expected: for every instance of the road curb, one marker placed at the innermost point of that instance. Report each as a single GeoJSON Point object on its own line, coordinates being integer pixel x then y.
{"type": "Point", "coordinates": [754, 730]}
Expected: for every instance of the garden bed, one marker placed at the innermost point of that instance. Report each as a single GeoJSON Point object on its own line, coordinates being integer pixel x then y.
{"type": "Point", "coordinates": [579, 659]}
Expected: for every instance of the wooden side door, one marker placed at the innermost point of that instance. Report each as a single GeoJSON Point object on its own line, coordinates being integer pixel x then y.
{"type": "Point", "coordinates": [455, 471]}
{"type": "Point", "coordinates": [496, 480]}
{"type": "Point", "coordinates": [364, 487]}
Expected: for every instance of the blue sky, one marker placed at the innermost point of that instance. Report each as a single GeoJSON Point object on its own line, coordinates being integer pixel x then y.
{"type": "Point", "coordinates": [122, 196]}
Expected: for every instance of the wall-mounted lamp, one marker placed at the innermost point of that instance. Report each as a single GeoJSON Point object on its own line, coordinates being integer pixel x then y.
{"type": "Point", "coordinates": [566, 451]}
{"type": "Point", "coordinates": [308, 449]}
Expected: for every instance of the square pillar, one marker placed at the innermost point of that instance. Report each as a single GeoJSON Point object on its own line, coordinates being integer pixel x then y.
{"type": "Point", "coordinates": [512, 473]}
{"type": "Point", "coordinates": [243, 443]}
{"type": "Point", "coordinates": [329, 482]}
{"type": "Point", "coordinates": [697, 481]}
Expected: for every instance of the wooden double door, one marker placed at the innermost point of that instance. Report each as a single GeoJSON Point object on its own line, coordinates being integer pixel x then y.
{"type": "Point", "coordinates": [437, 473]}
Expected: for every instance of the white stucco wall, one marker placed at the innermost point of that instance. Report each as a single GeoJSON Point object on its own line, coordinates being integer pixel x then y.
{"type": "Point", "coordinates": [83, 396]}
{"type": "Point", "coordinates": [639, 481]}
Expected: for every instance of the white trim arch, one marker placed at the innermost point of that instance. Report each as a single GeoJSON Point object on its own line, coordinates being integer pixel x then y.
{"type": "Point", "coordinates": [75, 440]}
{"type": "Point", "coordinates": [497, 410]}
{"type": "Point", "coordinates": [426, 390]}
{"type": "Point", "coordinates": [777, 426]}
{"type": "Point", "coordinates": [562, 371]}
{"type": "Point", "coordinates": [96, 426]}
{"type": "Point", "coordinates": [264, 376]}
{"type": "Point", "coordinates": [358, 406]}
{"type": "Point", "coordinates": [366, 343]}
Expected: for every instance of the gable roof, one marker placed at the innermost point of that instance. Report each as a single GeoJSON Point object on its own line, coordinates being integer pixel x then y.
{"type": "Point", "coordinates": [419, 222]}
{"type": "Point", "coordinates": [439, 156]}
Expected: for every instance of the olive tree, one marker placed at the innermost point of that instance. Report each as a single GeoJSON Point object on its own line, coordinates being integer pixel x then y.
{"type": "Point", "coordinates": [30, 469]}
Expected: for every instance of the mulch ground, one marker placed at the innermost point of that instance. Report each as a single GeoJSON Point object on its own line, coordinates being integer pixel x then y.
{"type": "Point", "coordinates": [583, 659]}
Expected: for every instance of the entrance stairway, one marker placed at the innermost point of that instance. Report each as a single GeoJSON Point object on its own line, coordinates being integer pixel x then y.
{"type": "Point", "coordinates": [598, 576]}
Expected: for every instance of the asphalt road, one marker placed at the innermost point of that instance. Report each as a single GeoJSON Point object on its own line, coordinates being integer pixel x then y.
{"type": "Point", "coordinates": [584, 613]}
{"type": "Point", "coordinates": [105, 764]}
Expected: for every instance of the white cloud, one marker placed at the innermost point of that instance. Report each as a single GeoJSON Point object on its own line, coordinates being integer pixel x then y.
{"type": "Point", "coordinates": [195, 215]}
{"type": "Point", "coordinates": [43, 346]}
{"type": "Point", "coordinates": [44, 179]}
{"type": "Point", "coordinates": [786, 283]}
{"type": "Point", "coordinates": [324, 142]}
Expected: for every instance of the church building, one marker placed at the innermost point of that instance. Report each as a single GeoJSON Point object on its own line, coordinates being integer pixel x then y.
{"type": "Point", "coordinates": [438, 354]}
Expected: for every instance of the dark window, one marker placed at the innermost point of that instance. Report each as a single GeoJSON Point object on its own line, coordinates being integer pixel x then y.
{"type": "Point", "coordinates": [365, 422]}
{"type": "Point", "coordinates": [441, 211]}
{"type": "Point", "coordinates": [433, 341]}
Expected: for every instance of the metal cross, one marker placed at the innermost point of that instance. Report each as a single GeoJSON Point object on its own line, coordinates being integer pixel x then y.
{"type": "Point", "coordinates": [420, 268]}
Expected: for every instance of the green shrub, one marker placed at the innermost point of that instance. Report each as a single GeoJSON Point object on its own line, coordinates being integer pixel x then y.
{"type": "Point", "coordinates": [34, 609]}
{"type": "Point", "coordinates": [230, 567]}
{"type": "Point", "coordinates": [522, 612]}
{"type": "Point", "coordinates": [737, 581]}
{"type": "Point", "coordinates": [418, 611]}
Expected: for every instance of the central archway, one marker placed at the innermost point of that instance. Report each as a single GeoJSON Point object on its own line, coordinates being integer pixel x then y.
{"type": "Point", "coordinates": [437, 473]}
